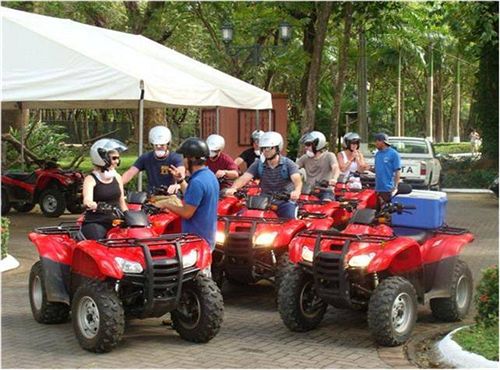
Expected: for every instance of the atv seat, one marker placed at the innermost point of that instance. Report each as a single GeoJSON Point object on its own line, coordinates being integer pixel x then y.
{"type": "Point", "coordinates": [419, 235]}
{"type": "Point", "coordinates": [29, 178]}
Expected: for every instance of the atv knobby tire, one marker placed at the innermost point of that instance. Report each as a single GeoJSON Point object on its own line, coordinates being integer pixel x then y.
{"type": "Point", "coordinates": [392, 311]}
{"type": "Point", "coordinates": [200, 312]}
{"type": "Point", "coordinates": [52, 202]}
{"type": "Point", "coordinates": [298, 304]}
{"type": "Point", "coordinates": [23, 207]}
{"type": "Point", "coordinates": [283, 266]}
{"type": "Point", "coordinates": [456, 306]}
{"type": "Point", "coordinates": [97, 316]}
{"type": "Point", "coordinates": [75, 207]}
{"type": "Point", "coordinates": [5, 202]}
{"type": "Point", "coordinates": [44, 312]}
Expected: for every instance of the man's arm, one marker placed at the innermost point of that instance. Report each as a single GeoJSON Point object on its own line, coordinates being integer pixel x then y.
{"type": "Point", "coordinates": [186, 211]}
{"type": "Point", "coordinates": [297, 182]}
{"type": "Point", "coordinates": [242, 180]}
{"type": "Point", "coordinates": [129, 174]}
{"type": "Point", "coordinates": [335, 170]}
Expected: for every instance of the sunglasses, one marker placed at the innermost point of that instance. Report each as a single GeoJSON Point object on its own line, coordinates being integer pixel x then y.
{"type": "Point", "coordinates": [308, 144]}
{"type": "Point", "coordinates": [266, 148]}
{"type": "Point", "coordinates": [115, 158]}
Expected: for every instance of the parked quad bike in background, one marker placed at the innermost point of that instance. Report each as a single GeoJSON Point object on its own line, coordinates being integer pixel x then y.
{"type": "Point", "coordinates": [372, 265]}
{"type": "Point", "coordinates": [51, 187]}
{"type": "Point", "coordinates": [494, 187]}
{"type": "Point", "coordinates": [133, 273]}
{"type": "Point", "coordinates": [348, 190]}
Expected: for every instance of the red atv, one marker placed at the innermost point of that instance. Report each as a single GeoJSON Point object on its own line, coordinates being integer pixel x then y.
{"type": "Point", "coordinates": [253, 244]}
{"type": "Point", "coordinates": [386, 270]}
{"type": "Point", "coordinates": [134, 273]}
{"type": "Point", "coordinates": [50, 186]}
{"type": "Point", "coordinates": [230, 205]}
{"type": "Point", "coordinates": [348, 190]}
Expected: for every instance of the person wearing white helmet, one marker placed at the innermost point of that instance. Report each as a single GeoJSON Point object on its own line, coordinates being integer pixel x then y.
{"type": "Point", "coordinates": [249, 155]}
{"type": "Point", "coordinates": [221, 164]}
{"type": "Point", "coordinates": [320, 164]}
{"type": "Point", "coordinates": [351, 159]}
{"type": "Point", "coordinates": [277, 173]}
{"type": "Point", "coordinates": [157, 163]}
{"type": "Point", "coordinates": [104, 184]}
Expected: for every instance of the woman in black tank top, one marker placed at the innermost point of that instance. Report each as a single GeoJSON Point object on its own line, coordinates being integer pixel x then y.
{"type": "Point", "coordinates": [104, 184]}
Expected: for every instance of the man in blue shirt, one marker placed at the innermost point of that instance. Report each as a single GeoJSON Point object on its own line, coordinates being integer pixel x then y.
{"type": "Point", "coordinates": [387, 168]}
{"type": "Point", "coordinates": [201, 194]}
{"type": "Point", "coordinates": [157, 162]}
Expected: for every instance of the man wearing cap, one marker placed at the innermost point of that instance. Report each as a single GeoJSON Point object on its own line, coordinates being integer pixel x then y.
{"type": "Point", "coordinates": [387, 167]}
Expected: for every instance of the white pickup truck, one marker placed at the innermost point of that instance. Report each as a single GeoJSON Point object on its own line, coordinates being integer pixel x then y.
{"type": "Point", "coordinates": [420, 167]}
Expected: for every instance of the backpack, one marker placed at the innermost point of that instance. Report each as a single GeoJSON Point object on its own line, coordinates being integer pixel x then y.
{"type": "Point", "coordinates": [284, 168]}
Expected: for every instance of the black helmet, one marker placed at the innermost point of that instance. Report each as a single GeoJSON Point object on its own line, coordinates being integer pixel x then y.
{"type": "Point", "coordinates": [194, 147]}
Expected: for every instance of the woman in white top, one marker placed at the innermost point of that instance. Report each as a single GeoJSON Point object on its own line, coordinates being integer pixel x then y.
{"type": "Point", "coordinates": [351, 159]}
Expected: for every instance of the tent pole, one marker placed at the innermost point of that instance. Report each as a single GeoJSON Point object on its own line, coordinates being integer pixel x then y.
{"type": "Point", "coordinates": [141, 129]}
{"type": "Point", "coordinates": [217, 120]}
{"type": "Point", "coordinates": [257, 120]}
{"type": "Point", "coordinates": [20, 104]}
{"type": "Point", "coordinates": [270, 120]}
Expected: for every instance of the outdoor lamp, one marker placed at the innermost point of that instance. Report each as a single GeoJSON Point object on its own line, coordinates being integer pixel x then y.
{"type": "Point", "coordinates": [227, 32]}
{"type": "Point", "coordinates": [285, 31]}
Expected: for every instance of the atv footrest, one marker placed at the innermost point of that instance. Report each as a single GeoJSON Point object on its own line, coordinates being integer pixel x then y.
{"type": "Point", "coordinates": [451, 230]}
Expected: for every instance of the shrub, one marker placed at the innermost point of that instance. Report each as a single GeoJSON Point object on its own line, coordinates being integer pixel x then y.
{"type": "Point", "coordinates": [4, 231]}
{"type": "Point", "coordinates": [486, 298]}
{"type": "Point", "coordinates": [449, 148]}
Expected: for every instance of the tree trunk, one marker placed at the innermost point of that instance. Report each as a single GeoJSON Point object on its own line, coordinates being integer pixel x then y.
{"type": "Point", "coordinates": [362, 88]}
{"type": "Point", "coordinates": [430, 93]}
{"type": "Point", "coordinates": [309, 114]}
{"type": "Point", "coordinates": [455, 126]}
{"type": "Point", "coordinates": [398, 99]}
{"type": "Point", "coordinates": [338, 88]}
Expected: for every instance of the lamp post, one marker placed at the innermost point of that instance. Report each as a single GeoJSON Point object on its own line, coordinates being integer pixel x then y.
{"type": "Point", "coordinates": [255, 50]}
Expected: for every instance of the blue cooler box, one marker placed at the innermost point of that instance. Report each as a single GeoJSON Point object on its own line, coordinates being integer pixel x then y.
{"type": "Point", "coordinates": [430, 212]}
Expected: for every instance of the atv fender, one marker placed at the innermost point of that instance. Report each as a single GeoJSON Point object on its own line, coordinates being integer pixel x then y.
{"type": "Point", "coordinates": [438, 278]}
{"type": "Point", "coordinates": [93, 260]}
{"type": "Point", "coordinates": [57, 248]}
{"type": "Point", "coordinates": [56, 278]}
{"type": "Point", "coordinates": [399, 256]}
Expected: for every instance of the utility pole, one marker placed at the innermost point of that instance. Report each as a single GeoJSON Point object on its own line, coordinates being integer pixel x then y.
{"type": "Point", "coordinates": [362, 89]}
{"type": "Point", "coordinates": [398, 99]}
{"type": "Point", "coordinates": [430, 94]}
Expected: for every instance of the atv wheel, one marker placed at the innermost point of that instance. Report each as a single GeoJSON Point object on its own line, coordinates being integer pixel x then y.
{"type": "Point", "coordinates": [392, 311]}
{"type": "Point", "coordinates": [44, 312]}
{"type": "Point", "coordinates": [74, 207]}
{"type": "Point", "coordinates": [23, 207]}
{"type": "Point", "coordinates": [456, 306]}
{"type": "Point", "coordinates": [5, 203]}
{"type": "Point", "coordinates": [52, 203]}
{"type": "Point", "coordinates": [97, 316]}
{"type": "Point", "coordinates": [200, 312]}
{"type": "Point", "coordinates": [299, 306]}
{"type": "Point", "coordinates": [282, 268]}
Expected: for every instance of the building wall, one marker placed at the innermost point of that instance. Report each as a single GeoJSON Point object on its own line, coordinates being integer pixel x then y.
{"type": "Point", "coordinates": [236, 125]}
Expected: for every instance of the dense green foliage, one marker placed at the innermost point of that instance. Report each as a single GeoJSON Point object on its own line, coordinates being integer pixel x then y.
{"type": "Point", "coordinates": [462, 34]}
{"type": "Point", "coordinates": [487, 298]}
{"type": "Point", "coordinates": [4, 231]}
{"type": "Point", "coordinates": [479, 339]}
{"type": "Point", "coordinates": [482, 338]}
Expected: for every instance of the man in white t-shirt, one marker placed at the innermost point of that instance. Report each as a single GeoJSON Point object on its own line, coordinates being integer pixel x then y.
{"type": "Point", "coordinates": [320, 165]}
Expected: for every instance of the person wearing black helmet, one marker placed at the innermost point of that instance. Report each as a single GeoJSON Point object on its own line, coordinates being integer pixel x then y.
{"type": "Point", "coordinates": [201, 194]}
{"type": "Point", "coordinates": [249, 155]}
{"type": "Point", "coordinates": [387, 168]}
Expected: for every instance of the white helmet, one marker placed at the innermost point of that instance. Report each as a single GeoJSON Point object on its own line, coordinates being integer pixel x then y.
{"type": "Point", "coordinates": [159, 135]}
{"type": "Point", "coordinates": [215, 143]}
{"type": "Point", "coordinates": [271, 139]}
{"type": "Point", "coordinates": [100, 149]}
{"type": "Point", "coordinates": [317, 138]}
{"type": "Point", "coordinates": [351, 137]}
{"type": "Point", "coordinates": [256, 135]}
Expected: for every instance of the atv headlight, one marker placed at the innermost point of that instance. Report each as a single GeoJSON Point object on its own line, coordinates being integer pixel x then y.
{"type": "Point", "coordinates": [190, 259]}
{"type": "Point", "coordinates": [220, 237]}
{"type": "Point", "coordinates": [361, 260]}
{"type": "Point", "coordinates": [128, 266]}
{"type": "Point", "coordinates": [307, 254]}
{"type": "Point", "coordinates": [265, 239]}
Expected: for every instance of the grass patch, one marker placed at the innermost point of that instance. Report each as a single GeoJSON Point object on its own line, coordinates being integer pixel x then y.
{"type": "Point", "coordinates": [479, 339]}
{"type": "Point", "coordinates": [451, 148]}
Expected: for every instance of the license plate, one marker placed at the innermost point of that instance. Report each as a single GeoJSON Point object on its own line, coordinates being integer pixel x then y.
{"type": "Point", "coordinates": [412, 170]}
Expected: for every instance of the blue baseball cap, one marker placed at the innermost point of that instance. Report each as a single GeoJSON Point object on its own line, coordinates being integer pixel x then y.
{"type": "Point", "coordinates": [382, 137]}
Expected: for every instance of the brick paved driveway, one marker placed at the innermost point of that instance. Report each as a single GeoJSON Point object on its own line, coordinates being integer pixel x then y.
{"type": "Point", "coordinates": [252, 335]}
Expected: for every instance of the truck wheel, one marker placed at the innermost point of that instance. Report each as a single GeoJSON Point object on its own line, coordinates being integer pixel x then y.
{"type": "Point", "coordinates": [44, 312]}
{"type": "Point", "coordinates": [52, 202]}
{"type": "Point", "coordinates": [299, 306]}
{"type": "Point", "coordinates": [23, 207]}
{"type": "Point", "coordinates": [97, 316]}
{"type": "Point", "coordinates": [200, 312]}
{"type": "Point", "coordinates": [456, 306]}
{"type": "Point", "coordinates": [392, 311]}
{"type": "Point", "coordinates": [5, 203]}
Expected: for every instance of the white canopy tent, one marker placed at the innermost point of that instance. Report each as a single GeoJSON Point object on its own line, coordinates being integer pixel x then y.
{"type": "Point", "coordinates": [58, 63]}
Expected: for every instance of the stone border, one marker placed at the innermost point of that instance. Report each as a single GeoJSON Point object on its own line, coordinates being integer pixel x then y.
{"type": "Point", "coordinates": [8, 263]}
{"type": "Point", "coordinates": [455, 355]}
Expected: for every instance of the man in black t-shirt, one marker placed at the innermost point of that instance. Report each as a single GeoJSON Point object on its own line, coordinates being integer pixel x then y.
{"type": "Point", "coordinates": [251, 154]}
